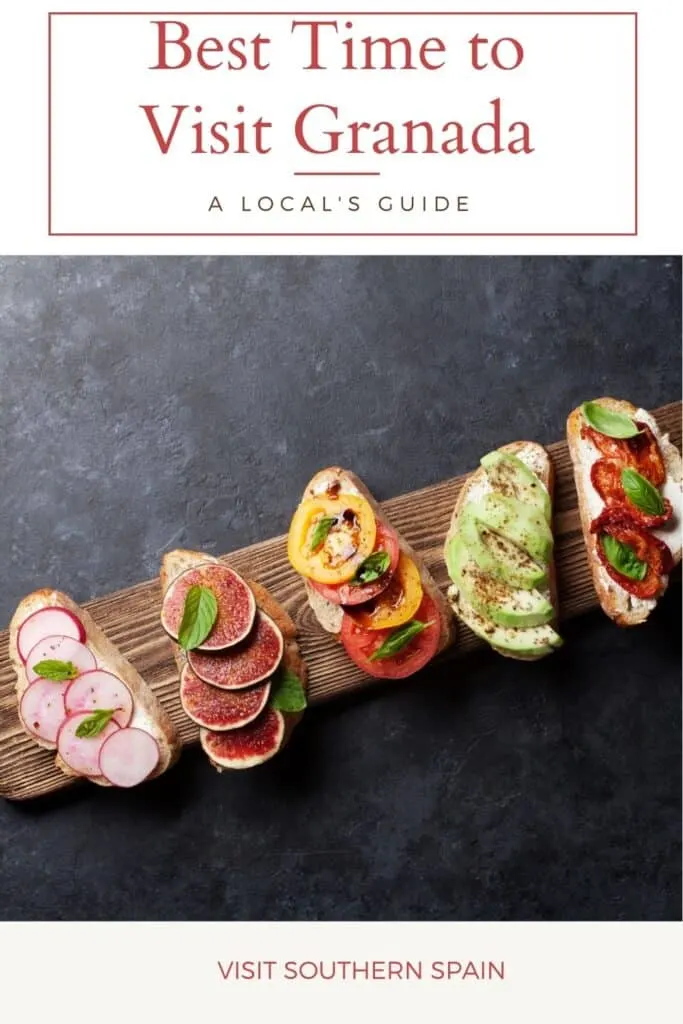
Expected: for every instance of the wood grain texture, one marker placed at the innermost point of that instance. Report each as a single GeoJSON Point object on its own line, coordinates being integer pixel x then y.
{"type": "Point", "coordinates": [131, 617]}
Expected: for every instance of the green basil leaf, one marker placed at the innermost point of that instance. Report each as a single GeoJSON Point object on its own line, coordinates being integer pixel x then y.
{"type": "Point", "coordinates": [94, 724]}
{"type": "Point", "coordinates": [641, 492]}
{"type": "Point", "coordinates": [399, 639]}
{"type": "Point", "coordinates": [623, 558]}
{"type": "Point", "coordinates": [372, 567]}
{"type": "Point", "coordinates": [289, 693]}
{"type": "Point", "coordinates": [56, 671]}
{"type": "Point", "coordinates": [612, 424]}
{"type": "Point", "coordinates": [199, 616]}
{"type": "Point", "coordinates": [321, 530]}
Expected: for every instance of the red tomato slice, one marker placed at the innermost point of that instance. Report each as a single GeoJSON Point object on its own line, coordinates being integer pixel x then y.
{"type": "Point", "coordinates": [348, 593]}
{"type": "Point", "coordinates": [360, 643]}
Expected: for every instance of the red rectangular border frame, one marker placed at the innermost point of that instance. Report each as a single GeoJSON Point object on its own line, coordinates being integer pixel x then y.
{"type": "Point", "coordinates": [340, 234]}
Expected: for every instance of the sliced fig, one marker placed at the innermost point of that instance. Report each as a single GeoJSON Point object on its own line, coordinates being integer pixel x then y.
{"type": "Point", "coordinates": [42, 709]}
{"type": "Point", "coordinates": [53, 621]}
{"type": "Point", "coordinates": [236, 604]}
{"type": "Point", "coordinates": [220, 710]}
{"type": "Point", "coordinates": [246, 663]}
{"type": "Point", "coordinates": [59, 648]}
{"type": "Point", "coordinates": [128, 757]}
{"type": "Point", "coordinates": [247, 747]}
{"type": "Point", "coordinates": [99, 689]}
{"type": "Point", "coordinates": [80, 753]}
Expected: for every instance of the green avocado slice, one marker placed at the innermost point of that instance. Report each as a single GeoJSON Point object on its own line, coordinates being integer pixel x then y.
{"type": "Point", "coordinates": [498, 556]}
{"type": "Point", "coordinates": [512, 478]}
{"type": "Point", "coordinates": [493, 598]}
{"type": "Point", "coordinates": [533, 642]}
{"type": "Point", "coordinates": [520, 523]}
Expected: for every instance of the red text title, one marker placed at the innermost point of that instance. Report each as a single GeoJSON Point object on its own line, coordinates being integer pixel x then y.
{"type": "Point", "coordinates": [320, 128]}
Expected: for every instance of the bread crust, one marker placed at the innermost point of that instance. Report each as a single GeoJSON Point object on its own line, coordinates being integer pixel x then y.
{"type": "Point", "coordinates": [548, 478]}
{"type": "Point", "coordinates": [330, 615]}
{"type": "Point", "coordinates": [106, 652]}
{"type": "Point", "coordinates": [176, 562]}
{"type": "Point", "coordinates": [614, 600]}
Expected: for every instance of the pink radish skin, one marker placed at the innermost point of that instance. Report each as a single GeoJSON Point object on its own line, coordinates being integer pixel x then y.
{"type": "Point", "coordinates": [47, 622]}
{"type": "Point", "coordinates": [80, 754]}
{"type": "Point", "coordinates": [128, 757]}
{"type": "Point", "coordinates": [60, 648]}
{"type": "Point", "coordinates": [99, 689]}
{"type": "Point", "coordinates": [42, 709]}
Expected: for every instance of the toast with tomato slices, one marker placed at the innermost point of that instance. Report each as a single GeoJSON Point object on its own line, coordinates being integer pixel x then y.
{"type": "Point", "coordinates": [499, 553]}
{"type": "Point", "coordinates": [629, 498]}
{"type": "Point", "coordinates": [55, 645]}
{"type": "Point", "coordinates": [365, 584]}
{"type": "Point", "coordinates": [246, 690]}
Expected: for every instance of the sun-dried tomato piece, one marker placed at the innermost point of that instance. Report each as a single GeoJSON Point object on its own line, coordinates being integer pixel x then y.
{"type": "Point", "coordinates": [611, 447]}
{"type": "Point", "coordinates": [641, 452]}
{"type": "Point", "coordinates": [646, 451]}
{"type": "Point", "coordinates": [606, 479]}
{"type": "Point", "coordinates": [647, 548]}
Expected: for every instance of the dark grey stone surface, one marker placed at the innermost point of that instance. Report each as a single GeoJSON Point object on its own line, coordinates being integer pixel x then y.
{"type": "Point", "coordinates": [151, 402]}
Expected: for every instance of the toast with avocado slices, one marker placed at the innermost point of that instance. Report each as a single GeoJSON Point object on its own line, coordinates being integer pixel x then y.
{"type": "Point", "coordinates": [78, 696]}
{"type": "Point", "coordinates": [365, 584]}
{"type": "Point", "coordinates": [499, 553]}
{"type": "Point", "coordinates": [628, 482]}
{"type": "Point", "coordinates": [242, 678]}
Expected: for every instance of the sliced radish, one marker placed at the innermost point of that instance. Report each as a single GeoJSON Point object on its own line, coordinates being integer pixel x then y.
{"type": "Point", "coordinates": [42, 709]}
{"type": "Point", "coordinates": [128, 757]}
{"type": "Point", "coordinates": [99, 689]}
{"type": "Point", "coordinates": [250, 662]}
{"type": "Point", "coordinates": [236, 604]}
{"type": "Point", "coordinates": [82, 754]}
{"type": "Point", "coordinates": [220, 710]}
{"type": "Point", "coordinates": [48, 622]}
{"type": "Point", "coordinates": [60, 648]}
{"type": "Point", "coordinates": [246, 747]}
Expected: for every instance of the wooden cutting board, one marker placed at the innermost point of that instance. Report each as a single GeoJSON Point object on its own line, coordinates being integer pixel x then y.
{"type": "Point", "coordinates": [131, 617]}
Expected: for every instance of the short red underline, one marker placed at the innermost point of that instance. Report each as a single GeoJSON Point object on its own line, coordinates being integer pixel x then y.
{"type": "Point", "coordinates": [336, 174]}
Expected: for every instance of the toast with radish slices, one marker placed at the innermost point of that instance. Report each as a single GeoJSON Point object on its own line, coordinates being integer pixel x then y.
{"type": "Point", "coordinates": [242, 678]}
{"type": "Point", "coordinates": [629, 485]}
{"type": "Point", "coordinates": [365, 584]}
{"type": "Point", "coordinates": [79, 696]}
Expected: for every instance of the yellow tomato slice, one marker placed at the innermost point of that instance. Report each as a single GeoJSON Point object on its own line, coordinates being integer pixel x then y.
{"type": "Point", "coordinates": [330, 536]}
{"type": "Point", "coordinates": [395, 605]}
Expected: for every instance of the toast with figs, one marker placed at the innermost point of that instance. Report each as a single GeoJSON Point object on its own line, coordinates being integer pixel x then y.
{"type": "Point", "coordinates": [242, 678]}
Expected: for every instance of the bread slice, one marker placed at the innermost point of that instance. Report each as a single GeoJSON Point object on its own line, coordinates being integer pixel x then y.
{"type": "Point", "coordinates": [148, 711]}
{"type": "Point", "coordinates": [176, 562]}
{"type": "Point", "coordinates": [621, 606]}
{"type": "Point", "coordinates": [537, 459]}
{"type": "Point", "coordinates": [330, 615]}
